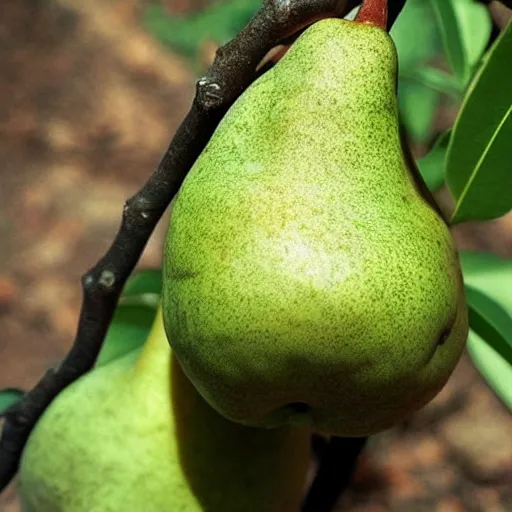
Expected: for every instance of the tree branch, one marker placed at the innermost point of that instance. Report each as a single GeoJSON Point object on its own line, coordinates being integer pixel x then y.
{"type": "Point", "coordinates": [507, 3]}
{"type": "Point", "coordinates": [337, 466]}
{"type": "Point", "coordinates": [232, 72]}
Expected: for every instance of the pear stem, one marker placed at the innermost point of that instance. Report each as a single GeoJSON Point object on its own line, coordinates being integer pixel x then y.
{"type": "Point", "coordinates": [374, 12]}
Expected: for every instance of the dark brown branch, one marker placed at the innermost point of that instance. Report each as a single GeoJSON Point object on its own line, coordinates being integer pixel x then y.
{"type": "Point", "coordinates": [232, 71]}
{"type": "Point", "coordinates": [507, 3]}
{"type": "Point", "coordinates": [338, 462]}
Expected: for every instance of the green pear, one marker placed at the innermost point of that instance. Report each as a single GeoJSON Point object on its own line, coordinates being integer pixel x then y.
{"type": "Point", "coordinates": [134, 436]}
{"type": "Point", "coordinates": [309, 277]}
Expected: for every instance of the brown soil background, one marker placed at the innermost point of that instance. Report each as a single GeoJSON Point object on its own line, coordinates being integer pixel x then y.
{"type": "Point", "coordinates": [88, 103]}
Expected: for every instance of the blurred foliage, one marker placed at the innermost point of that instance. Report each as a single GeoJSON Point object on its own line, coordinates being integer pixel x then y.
{"type": "Point", "coordinates": [219, 22]}
{"type": "Point", "coordinates": [433, 163]}
{"type": "Point", "coordinates": [418, 101]}
{"type": "Point", "coordinates": [465, 27]}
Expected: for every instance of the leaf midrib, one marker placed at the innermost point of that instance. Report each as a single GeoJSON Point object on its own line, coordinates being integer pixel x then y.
{"type": "Point", "coordinates": [480, 162]}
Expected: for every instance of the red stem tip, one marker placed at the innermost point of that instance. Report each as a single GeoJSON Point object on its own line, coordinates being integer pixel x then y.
{"type": "Point", "coordinates": [374, 12]}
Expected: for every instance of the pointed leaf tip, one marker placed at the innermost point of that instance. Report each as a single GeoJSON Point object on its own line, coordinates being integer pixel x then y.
{"type": "Point", "coordinates": [374, 12]}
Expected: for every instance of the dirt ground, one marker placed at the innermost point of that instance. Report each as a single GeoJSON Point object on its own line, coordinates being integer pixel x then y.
{"type": "Point", "coordinates": [88, 103]}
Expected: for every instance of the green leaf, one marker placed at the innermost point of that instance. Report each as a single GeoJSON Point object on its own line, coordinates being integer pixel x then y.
{"type": "Point", "coordinates": [134, 315]}
{"type": "Point", "coordinates": [451, 35]}
{"type": "Point", "coordinates": [432, 165]}
{"type": "Point", "coordinates": [418, 106]}
{"type": "Point", "coordinates": [494, 369]}
{"type": "Point", "coordinates": [418, 96]}
{"type": "Point", "coordinates": [479, 167]}
{"type": "Point", "coordinates": [128, 331]}
{"type": "Point", "coordinates": [436, 79]}
{"type": "Point", "coordinates": [219, 21]}
{"type": "Point", "coordinates": [415, 23]}
{"type": "Point", "coordinates": [490, 321]}
{"type": "Point", "coordinates": [8, 397]}
{"type": "Point", "coordinates": [143, 288]}
{"type": "Point", "coordinates": [144, 281]}
{"type": "Point", "coordinates": [492, 276]}
{"type": "Point", "coordinates": [475, 24]}
{"type": "Point", "coordinates": [465, 27]}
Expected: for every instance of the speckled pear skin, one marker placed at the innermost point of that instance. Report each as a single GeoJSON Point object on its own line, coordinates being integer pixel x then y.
{"type": "Point", "coordinates": [307, 277]}
{"type": "Point", "coordinates": [135, 436]}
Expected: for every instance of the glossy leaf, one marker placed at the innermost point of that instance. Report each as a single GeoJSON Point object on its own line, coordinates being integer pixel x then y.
{"type": "Point", "coordinates": [8, 397]}
{"type": "Point", "coordinates": [432, 165]}
{"type": "Point", "coordinates": [492, 276]}
{"type": "Point", "coordinates": [479, 167]}
{"type": "Point", "coordinates": [490, 321]}
{"type": "Point", "coordinates": [494, 369]}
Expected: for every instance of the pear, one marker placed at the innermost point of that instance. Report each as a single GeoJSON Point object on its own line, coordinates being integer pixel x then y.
{"type": "Point", "coordinates": [134, 436]}
{"type": "Point", "coordinates": [309, 277]}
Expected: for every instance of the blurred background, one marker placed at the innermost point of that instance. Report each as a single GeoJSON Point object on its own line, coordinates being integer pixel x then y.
{"type": "Point", "coordinates": [90, 95]}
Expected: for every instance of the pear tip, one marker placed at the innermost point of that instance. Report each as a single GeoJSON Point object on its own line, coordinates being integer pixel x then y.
{"type": "Point", "coordinates": [374, 12]}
